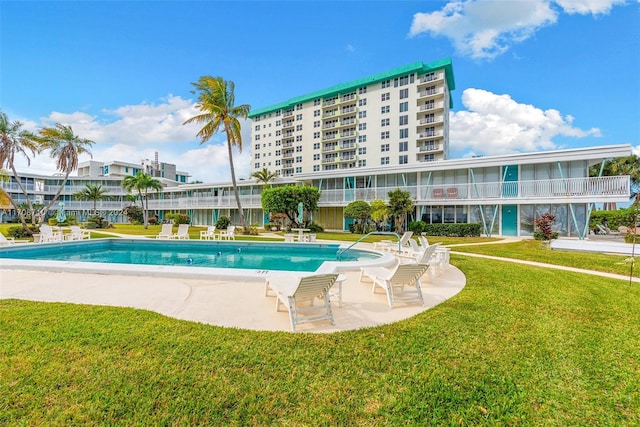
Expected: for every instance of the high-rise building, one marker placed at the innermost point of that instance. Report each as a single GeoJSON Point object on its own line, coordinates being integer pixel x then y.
{"type": "Point", "coordinates": [398, 117]}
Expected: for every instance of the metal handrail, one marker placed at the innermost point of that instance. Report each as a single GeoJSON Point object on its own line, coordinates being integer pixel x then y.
{"type": "Point", "coordinates": [369, 234]}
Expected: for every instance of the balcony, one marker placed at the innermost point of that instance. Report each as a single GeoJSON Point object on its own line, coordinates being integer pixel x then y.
{"type": "Point", "coordinates": [430, 135]}
{"type": "Point", "coordinates": [288, 124]}
{"type": "Point", "coordinates": [430, 93]}
{"type": "Point", "coordinates": [431, 106]}
{"type": "Point", "coordinates": [430, 78]}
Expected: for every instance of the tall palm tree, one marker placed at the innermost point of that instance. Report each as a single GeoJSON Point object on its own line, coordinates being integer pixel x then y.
{"type": "Point", "coordinates": [93, 193]}
{"type": "Point", "coordinates": [216, 101]}
{"type": "Point", "coordinates": [65, 147]}
{"type": "Point", "coordinates": [15, 140]}
{"type": "Point", "coordinates": [264, 176]}
{"type": "Point", "coordinates": [142, 183]}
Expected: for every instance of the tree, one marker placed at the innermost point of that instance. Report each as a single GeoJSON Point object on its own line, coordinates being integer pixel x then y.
{"type": "Point", "coordinates": [285, 200]}
{"type": "Point", "coordinates": [360, 211]}
{"type": "Point", "coordinates": [142, 183]}
{"type": "Point", "coordinates": [264, 176]}
{"type": "Point", "coordinates": [400, 204]}
{"type": "Point", "coordinates": [216, 101]}
{"type": "Point", "coordinates": [65, 147]}
{"type": "Point", "coordinates": [379, 212]}
{"type": "Point", "coordinates": [15, 140]}
{"type": "Point", "coordinates": [93, 193]}
{"type": "Point", "coordinates": [629, 165]}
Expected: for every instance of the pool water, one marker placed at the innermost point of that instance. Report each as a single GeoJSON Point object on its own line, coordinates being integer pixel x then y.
{"type": "Point", "coordinates": [242, 255]}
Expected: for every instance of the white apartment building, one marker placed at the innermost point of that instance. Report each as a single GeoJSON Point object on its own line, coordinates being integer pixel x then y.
{"type": "Point", "coordinates": [394, 118]}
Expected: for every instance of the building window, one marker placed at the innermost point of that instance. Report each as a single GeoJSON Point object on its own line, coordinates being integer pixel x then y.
{"type": "Point", "coordinates": [257, 128]}
{"type": "Point", "coordinates": [384, 109]}
{"type": "Point", "coordinates": [404, 80]}
{"type": "Point", "coordinates": [298, 138]}
{"type": "Point", "coordinates": [278, 142]}
{"type": "Point", "coordinates": [384, 160]}
{"type": "Point", "coordinates": [403, 146]}
{"type": "Point", "coordinates": [257, 137]}
{"type": "Point", "coordinates": [362, 126]}
{"type": "Point", "coordinates": [316, 156]}
{"type": "Point", "coordinates": [257, 156]}
{"type": "Point", "coordinates": [256, 165]}
{"type": "Point", "coordinates": [404, 106]}
{"type": "Point", "coordinates": [384, 122]}
{"type": "Point", "coordinates": [316, 124]}
{"type": "Point", "coordinates": [386, 84]}
{"type": "Point", "coordinates": [404, 133]}
{"type": "Point", "coordinates": [298, 159]}
{"type": "Point", "coordinates": [362, 138]}
{"type": "Point", "coordinates": [404, 159]}
{"type": "Point", "coordinates": [298, 128]}
{"type": "Point", "coordinates": [278, 162]}
{"type": "Point", "coordinates": [404, 120]}
{"type": "Point", "coordinates": [278, 152]}
{"type": "Point", "coordinates": [298, 116]}
{"type": "Point", "coordinates": [384, 147]}
{"type": "Point", "coordinates": [256, 147]}
{"type": "Point", "coordinates": [299, 169]}
{"type": "Point", "coordinates": [316, 102]}
{"type": "Point", "coordinates": [362, 102]}
{"type": "Point", "coordinates": [362, 114]}
{"type": "Point", "coordinates": [362, 163]}
{"type": "Point", "coordinates": [386, 96]}
{"type": "Point", "coordinates": [298, 106]}
{"type": "Point", "coordinates": [362, 90]}
{"type": "Point", "coordinates": [404, 93]}
{"type": "Point", "coordinates": [316, 168]}
{"type": "Point", "coordinates": [316, 145]}
{"type": "Point", "coordinates": [384, 135]}
{"type": "Point", "coordinates": [316, 135]}
{"type": "Point", "coordinates": [316, 113]}
{"type": "Point", "coordinates": [362, 150]}
{"type": "Point", "coordinates": [298, 148]}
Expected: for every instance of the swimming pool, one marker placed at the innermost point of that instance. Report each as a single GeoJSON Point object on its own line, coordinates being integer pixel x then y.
{"type": "Point", "coordinates": [194, 256]}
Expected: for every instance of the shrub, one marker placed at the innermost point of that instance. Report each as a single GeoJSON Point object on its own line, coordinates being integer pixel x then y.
{"type": "Point", "coordinates": [223, 222]}
{"type": "Point", "coordinates": [543, 227]}
{"type": "Point", "coordinates": [178, 218]}
{"type": "Point", "coordinates": [315, 228]}
{"type": "Point", "coordinates": [417, 226]}
{"type": "Point", "coordinates": [251, 230]}
{"type": "Point", "coordinates": [21, 233]}
{"type": "Point", "coordinates": [453, 230]}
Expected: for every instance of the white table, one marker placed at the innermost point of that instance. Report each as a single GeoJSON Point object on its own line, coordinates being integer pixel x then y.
{"type": "Point", "coordinates": [301, 232]}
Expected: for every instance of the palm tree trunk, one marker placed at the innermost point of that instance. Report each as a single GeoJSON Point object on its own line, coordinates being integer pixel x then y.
{"type": "Point", "coordinates": [145, 209]}
{"type": "Point", "coordinates": [64, 181]}
{"type": "Point", "coordinates": [235, 186]}
{"type": "Point", "coordinates": [23, 221]}
{"type": "Point", "coordinates": [27, 198]}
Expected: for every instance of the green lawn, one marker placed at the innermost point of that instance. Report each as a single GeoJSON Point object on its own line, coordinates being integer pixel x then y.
{"type": "Point", "coordinates": [519, 345]}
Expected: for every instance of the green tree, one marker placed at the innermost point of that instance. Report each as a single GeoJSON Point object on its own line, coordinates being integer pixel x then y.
{"type": "Point", "coordinates": [142, 183]}
{"type": "Point", "coordinates": [264, 176]}
{"type": "Point", "coordinates": [216, 101]}
{"type": "Point", "coordinates": [65, 147]}
{"type": "Point", "coordinates": [16, 140]}
{"type": "Point", "coordinates": [379, 212]}
{"type": "Point", "coordinates": [629, 165]}
{"type": "Point", "coordinates": [400, 204]}
{"type": "Point", "coordinates": [285, 200]}
{"type": "Point", "coordinates": [93, 193]}
{"type": "Point", "coordinates": [360, 211]}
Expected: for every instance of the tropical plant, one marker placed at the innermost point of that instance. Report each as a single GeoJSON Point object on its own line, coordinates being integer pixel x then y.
{"type": "Point", "coordinates": [216, 101]}
{"type": "Point", "coordinates": [379, 213]}
{"type": "Point", "coordinates": [65, 147]}
{"type": "Point", "coordinates": [223, 222]}
{"type": "Point", "coordinates": [286, 200]}
{"type": "Point", "coordinates": [629, 165]}
{"type": "Point", "coordinates": [264, 176]}
{"type": "Point", "coordinates": [544, 224]}
{"type": "Point", "coordinates": [359, 211]}
{"type": "Point", "coordinates": [400, 204]}
{"type": "Point", "coordinates": [134, 214]}
{"type": "Point", "coordinates": [93, 193]}
{"type": "Point", "coordinates": [142, 183]}
{"type": "Point", "coordinates": [15, 140]}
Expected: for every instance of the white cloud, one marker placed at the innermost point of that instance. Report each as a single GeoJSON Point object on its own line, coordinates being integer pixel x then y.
{"type": "Point", "coordinates": [497, 124]}
{"type": "Point", "coordinates": [636, 150]}
{"type": "Point", "coordinates": [484, 29]}
{"type": "Point", "coordinates": [136, 132]}
{"type": "Point", "coordinates": [350, 48]}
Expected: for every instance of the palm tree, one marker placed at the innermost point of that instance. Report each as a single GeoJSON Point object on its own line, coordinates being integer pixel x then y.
{"type": "Point", "coordinates": [142, 183]}
{"type": "Point", "coordinates": [93, 193]}
{"type": "Point", "coordinates": [65, 147]}
{"type": "Point", "coordinates": [15, 140]}
{"type": "Point", "coordinates": [264, 176]}
{"type": "Point", "coordinates": [216, 101]}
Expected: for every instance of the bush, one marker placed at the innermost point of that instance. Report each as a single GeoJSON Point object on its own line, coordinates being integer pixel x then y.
{"type": "Point", "coordinates": [223, 222]}
{"type": "Point", "coordinates": [452, 230]}
{"type": "Point", "coordinates": [178, 218]}
{"type": "Point", "coordinates": [417, 226]}
{"type": "Point", "coordinates": [251, 230]}
{"type": "Point", "coordinates": [134, 214]}
{"type": "Point", "coordinates": [315, 228]}
{"type": "Point", "coordinates": [543, 227]}
{"type": "Point", "coordinates": [21, 233]}
{"type": "Point", "coordinates": [94, 222]}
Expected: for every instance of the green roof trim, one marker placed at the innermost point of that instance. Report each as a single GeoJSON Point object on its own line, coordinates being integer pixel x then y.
{"type": "Point", "coordinates": [343, 88]}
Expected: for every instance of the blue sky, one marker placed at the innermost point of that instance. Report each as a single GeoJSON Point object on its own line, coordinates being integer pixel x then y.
{"type": "Point", "coordinates": [530, 75]}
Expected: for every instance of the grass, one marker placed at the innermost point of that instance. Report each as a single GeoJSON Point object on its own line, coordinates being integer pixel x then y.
{"type": "Point", "coordinates": [519, 345]}
{"type": "Point", "coordinates": [532, 250]}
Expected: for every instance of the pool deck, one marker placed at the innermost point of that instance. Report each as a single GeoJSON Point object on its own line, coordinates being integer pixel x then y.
{"type": "Point", "coordinates": [222, 302]}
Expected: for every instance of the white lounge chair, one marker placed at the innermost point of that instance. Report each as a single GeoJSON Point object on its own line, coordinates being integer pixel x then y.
{"type": "Point", "coordinates": [404, 242]}
{"type": "Point", "coordinates": [183, 232]}
{"type": "Point", "coordinates": [4, 241]}
{"type": "Point", "coordinates": [166, 232]}
{"type": "Point", "coordinates": [307, 298]}
{"type": "Point", "coordinates": [209, 233]}
{"type": "Point", "coordinates": [396, 281]}
{"type": "Point", "coordinates": [78, 233]}
{"type": "Point", "coordinates": [229, 233]}
{"type": "Point", "coordinates": [423, 242]}
{"type": "Point", "coordinates": [47, 234]}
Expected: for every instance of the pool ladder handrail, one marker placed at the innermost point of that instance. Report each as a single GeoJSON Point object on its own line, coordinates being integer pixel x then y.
{"type": "Point", "coordinates": [386, 233]}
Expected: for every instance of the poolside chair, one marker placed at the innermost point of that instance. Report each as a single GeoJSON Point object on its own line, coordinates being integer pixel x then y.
{"type": "Point", "coordinates": [306, 298]}
{"type": "Point", "coordinates": [183, 232]}
{"type": "Point", "coordinates": [209, 233]}
{"type": "Point", "coordinates": [404, 242]}
{"type": "Point", "coordinates": [166, 232]}
{"type": "Point", "coordinates": [78, 233]}
{"type": "Point", "coordinates": [229, 233]}
{"type": "Point", "coordinates": [47, 234]}
{"type": "Point", "coordinates": [396, 282]}
{"type": "Point", "coordinates": [10, 241]}
{"type": "Point", "coordinates": [423, 241]}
